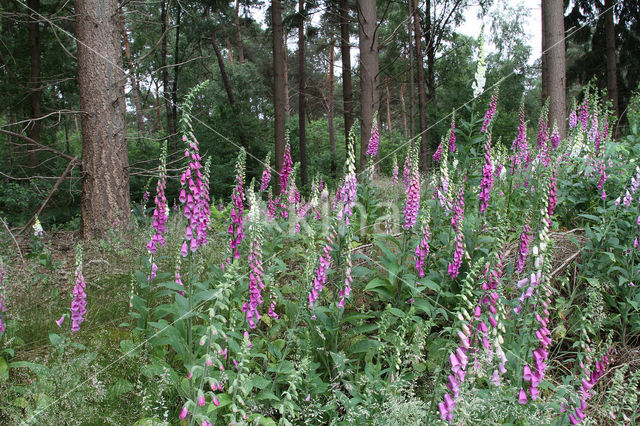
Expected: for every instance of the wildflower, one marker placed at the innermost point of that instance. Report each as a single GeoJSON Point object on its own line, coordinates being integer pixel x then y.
{"type": "Point", "coordinates": [555, 137]}
{"type": "Point", "coordinates": [573, 119]}
{"type": "Point", "coordinates": [160, 212]}
{"type": "Point", "coordinates": [584, 114]}
{"type": "Point", "coordinates": [520, 146]}
{"type": "Point", "coordinates": [201, 400]}
{"type": "Point", "coordinates": [394, 177]}
{"type": "Point", "coordinates": [347, 193]}
{"type": "Point", "coordinates": [37, 228]}
{"type": "Point", "coordinates": [525, 239]}
{"type": "Point", "coordinates": [346, 291]}
{"type": "Point", "coordinates": [266, 174]}
{"type": "Point", "coordinates": [323, 266]}
{"type": "Point", "coordinates": [287, 168]}
{"type": "Point", "coordinates": [454, 267]}
{"type": "Point", "coordinates": [2, 301]}
{"type": "Point", "coordinates": [216, 401]}
{"type": "Point", "coordinates": [58, 321]}
{"type": "Point", "coordinates": [374, 141]}
{"type": "Point", "coordinates": [422, 249]}
{"type": "Point", "coordinates": [522, 397]}
{"type": "Point", "coordinates": [458, 211]}
{"type": "Point", "coordinates": [272, 311]}
{"type": "Point", "coordinates": [488, 116]}
{"type": "Point", "coordinates": [487, 178]}
{"type": "Point", "coordinates": [452, 135]}
{"type": "Point", "coordinates": [437, 156]}
{"type": "Point", "coordinates": [183, 413]}
{"type": "Point", "coordinates": [236, 228]}
{"type": "Point", "coordinates": [79, 303]}
{"type": "Point", "coordinates": [413, 200]}
{"type": "Point", "coordinates": [255, 283]}
{"type": "Point", "coordinates": [553, 197]}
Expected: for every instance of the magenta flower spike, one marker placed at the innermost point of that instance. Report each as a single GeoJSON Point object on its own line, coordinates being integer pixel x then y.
{"type": "Point", "coordinates": [161, 210]}
{"type": "Point", "coordinates": [520, 146]}
{"type": "Point", "coordinates": [437, 156]}
{"type": "Point", "coordinates": [522, 397]}
{"type": "Point", "coordinates": [488, 116]}
{"type": "Point", "coordinates": [346, 195]}
{"type": "Point", "coordinates": [266, 174]}
{"type": "Point", "coordinates": [422, 249]}
{"type": "Point", "coordinates": [412, 204]}
{"type": "Point", "coordinates": [2, 301]}
{"type": "Point", "coordinates": [79, 303]}
{"type": "Point", "coordinates": [236, 228]}
{"type": "Point", "coordinates": [256, 285]}
{"type": "Point", "coordinates": [374, 141]}
{"type": "Point", "coordinates": [287, 168]}
{"type": "Point", "coordinates": [525, 240]}
{"type": "Point", "coordinates": [487, 178]}
{"type": "Point", "coordinates": [394, 176]}
{"type": "Point", "coordinates": [452, 134]}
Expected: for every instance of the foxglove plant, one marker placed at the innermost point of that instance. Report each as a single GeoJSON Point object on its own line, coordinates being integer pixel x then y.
{"type": "Point", "coordinates": [456, 225]}
{"type": "Point", "coordinates": [236, 228]}
{"type": "Point", "coordinates": [256, 273]}
{"type": "Point", "coordinates": [576, 415]}
{"type": "Point", "coordinates": [584, 112]}
{"type": "Point", "coordinates": [266, 174]}
{"type": "Point", "coordinates": [79, 303]}
{"type": "Point", "coordinates": [323, 267]}
{"type": "Point", "coordinates": [287, 168]}
{"type": "Point", "coordinates": [487, 177]}
{"type": "Point", "coordinates": [423, 249]}
{"type": "Point", "coordinates": [437, 156]}
{"type": "Point", "coordinates": [2, 300]}
{"type": "Point", "coordinates": [413, 198]}
{"type": "Point", "coordinates": [394, 176]}
{"type": "Point", "coordinates": [347, 193]}
{"type": "Point", "coordinates": [488, 116]}
{"type": "Point", "coordinates": [161, 210]}
{"type": "Point", "coordinates": [408, 167]}
{"type": "Point", "coordinates": [525, 240]}
{"type": "Point", "coordinates": [520, 146]}
{"type": "Point", "coordinates": [452, 134]}
{"type": "Point", "coordinates": [555, 137]}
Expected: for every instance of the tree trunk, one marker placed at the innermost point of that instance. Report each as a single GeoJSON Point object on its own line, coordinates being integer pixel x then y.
{"type": "Point", "coordinates": [612, 68]}
{"type": "Point", "coordinates": [302, 123]}
{"type": "Point", "coordinates": [412, 107]}
{"type": "Point", "coordinates": [388, 105]}
{"type": "Point", "coordinates": [430, 46]}
{"type": "Point", "coordinates": [553, 18]}
{"type": "Point", "coordinates": [544, 92]}
{"type": "Point", "coordinates": [35, 89]}
{"type": "Point", "coordinates": [347, 85]}
{"type": "Point", "coordinates": [332, 135]}
{"type": "Point", "coordinates": [287, 104]}
{"type": "Point", "coordinates": [158, 113]}
{"type": "Point", "coordinates": [422, 98]}
{"type": "Point", "coordinates": [132, 77]}
{"type": "Point", "coordinates": [370, 99]}
{"type": "Point", "coordinates": [176, 68]}
{"type": "Point", "coordinates": [230, 51]}
{"type": "Point", "coordinates": [171, 127]}
{"type": "Point", "coordinates": [279, 94]}
{"type": "Point", "coordinates": [239, 34]}
{"type": "Point", "coordinates": [223, 71]}
{"type": "Point", "coordinates": [105, 168]}
{"type": "Point", "coordinates": [404, 109]}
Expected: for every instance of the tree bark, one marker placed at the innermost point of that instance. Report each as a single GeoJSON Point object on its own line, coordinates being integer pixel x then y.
{"type": "Point", "coordinates": [230, 51]}
{"type": "Point", "coordinates": [612, 68]}
{"type": "Point", "coordinates": [430, 46]}
{"type": "Point", "coordinates": [223, 70]}
{"type": "Point", "coordinates": [544, 92]}
{"type": "Point", "coordinates": [176, 68]}
{"type": "Point", "coordinates": [404, 109]}
{"type": "Point", "coordinates": [332, 135]}
{"type": "Point", "coordinates": [171, 127]}
{"type": "Point", "coordinates": [412, 107]}
{"type": "Point", "coordinates": [287, 104]}
{"type": "Point", "coordinates": [422, 96]}
{"type": "Point", "coordinates": [105, 168]}
{"type": "Point", "coordinates": [369, 68]}
{"type": "Point", "coordinates": [279, 94]}
{"type": "Point", "coordinates": [135, 94]}
{"type": "Point", "coordinates": [347, 85]}
{"type": "Point", "coordinates": [35, 88]}
{"type": "Point", "coordinates": [553, 19]}
{"type": "Point", "coordinates": [239, 34]}
{"type": "Point", "coordinates": [302, 129]}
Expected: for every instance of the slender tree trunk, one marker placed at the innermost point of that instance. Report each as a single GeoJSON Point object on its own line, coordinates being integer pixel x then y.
{"type": "Point", "coordinates": [230, 51]}
{"type": "Point", "coordinates": [347, 85]}
{"type": "Point", "coordinates": [176, 68]}
{"type": "Point", "coordinates": [239, 34]}
{"type": "Point", "coordinates": [386, 82]}
{"type": "Point", "coordinates": [279, 94]}
{"type": "Point", "coordinates": [332, 135]}
{"type": "Point", "coordinates": [135, 94]}
{"type": "Point", "coordinates": [370, 98]}
{"type": "Point", "coordinates": [404, 109]}
{"type": "Point", "coordinates": [105, 168]}
{"type": "Point", "coordinates": [158, 113]}
{"type": "Point", "coordinates": [612, 68]}
{"type": "Point", "coordinates": [302, 124]}
{"type": "Point", "coordinates": [287, 103]}
{"type": "Point", "coordinates": [553, 18]}
{"type": "Point", "coordinates": [171, 127]}
{"type": "Point", "coordinates": [545, 63]}
{"type": "Point", "coordinates": [431, 109]}
{"type": "Point", "coordinates": [422, 97]}
{"type": "Point", "coordinates": [35, 88]}
{"type": "Point", "coordinates": [412, 100]}
{"type": "Point", "coordinates": [223, 71]}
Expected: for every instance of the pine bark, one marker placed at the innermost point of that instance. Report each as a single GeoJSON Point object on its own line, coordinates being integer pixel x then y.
{"type": "Point", "coordinates": [239, 34]}
{"type": "Point", "coordinates": [287, 104]}
{"type": "Point", "coordinates": [176, 68]}
{"type": "Point", "coordinates": [332, 132]}
{"type": "Point", "coordinates": [369, 69]}
{"type": "Point", "coordinates": [171, 127]}
{"type": "Point", "coordinates": [612, 67]}
{"type": "Point", "coordinates": [105, 168]}
{"type": "Point", "coordinates": [302, 129]}
{"type": "Point", "coordinates": [404, 109]}
{"type": "Point", "coordinates": [553, 19]}
{"type": "Point", "coordinates": [279, 94]}
{"type": "Point", "coordinates": [412, 107]}
{"type": "Point", "coordinates": [386, 83]}
{"type": "Point", "coordinates": [347, 84]}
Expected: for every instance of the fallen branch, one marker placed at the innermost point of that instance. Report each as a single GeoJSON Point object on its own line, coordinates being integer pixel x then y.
{"type": "Point", "coordinates": [565, 264]}
{"type": "Point", "coordinates": [14, 240]}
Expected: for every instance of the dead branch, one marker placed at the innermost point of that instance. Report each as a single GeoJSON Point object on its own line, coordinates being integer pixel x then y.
{"type": "Point", "coordinates": [38, 144]}
{"type": "Point", "coordinates": [14, 240]}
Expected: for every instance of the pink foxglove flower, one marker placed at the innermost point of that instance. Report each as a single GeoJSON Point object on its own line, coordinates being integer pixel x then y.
{"type": "Point", "coordinates": [79, 303]}
{"type": "Point", "coordinates": [236, 228]}
{"type": "Point", "coordinates": [487, 178]}
{"type": "Point", "coordinates": [413, 200]}
{"type": "Point", "coordinates": [374, 141]}
{"type": "Point", "coordinates": [525, 239]}
{"type": "Point", "coordinates": [347, 193]}
{"type": "Point", "coordinates": [454, 267]}
{"type": "Point", "coordinates": [323, 267]}
{"type": "Point", "coordinates": [287, 168]}
{"type": "Point", "coordinates": [573, 119]}
{"type": "Point", "coordinates": [256, 284]}
{"type": "Point", "coordinates": [266, 175]}
{"type": "Point", "coordinates": [520, 146]}
{"type": "Point", "coordinates": [437, 156]}
{"type": "Point", "coordinates": [394, 176]}
{"type": "Point", "coordinates": [584, 113]}
{"type": "Point", "coordinates": [452, 134]}
{"type": "Point", "coordinates": [161, 211]}
{"type": "Point", "coordinates": [488, 116]}
{"type": "Point", "coordinates": [422, 250]}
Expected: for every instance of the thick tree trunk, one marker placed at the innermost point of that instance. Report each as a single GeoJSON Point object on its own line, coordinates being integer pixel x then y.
{"type": "Point", "coordinates": [35, 89]}
{"type": "Point", "coordinates": [347, 85]}
{"type": "Point", "coordinates": [105, 168]}
{"type": "Point", "coordinates": [370, 98]}
{"type": "Point", "coordinates": [239, 34]}
{"type": "Point", "coordinates": [171, 127]}
{"type": "Point", "coordinates": [176, 68]}
{"type": "Point", "coordinates": [302, 124]}
{"type": "Point", "coordinates": [279, 94]}
{"type": "Point", "coordinates": [553, 18]}
{"type": "Point", "coordinates": [422, 96]}
{"type": "Point", "coordinates": [545, 63]}
{"type": "Point", "coordinates": [332, 132]}
{"type": "Point", "coordinates": [287, 104]}
{"type": "Point", "coordinates": [612, 68]}
{"type": "Point", "coordinates": [430, 46]}
{"type": "Point", "coordinates": [135, 94]}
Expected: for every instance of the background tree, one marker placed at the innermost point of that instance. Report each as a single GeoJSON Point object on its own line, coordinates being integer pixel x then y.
{"type": "Point", "coordinates": [554, 74]}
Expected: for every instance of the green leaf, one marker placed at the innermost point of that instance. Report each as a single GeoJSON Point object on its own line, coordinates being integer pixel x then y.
{"type": "Point", "coordinates": [4, 370]}
{"type": "Point", "coordinates": [55, 339]}
{"type": "Point", "coordinates": [120, 387]}
{"type": "Point", "coordinates": [364, 346]}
